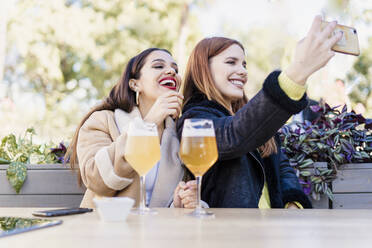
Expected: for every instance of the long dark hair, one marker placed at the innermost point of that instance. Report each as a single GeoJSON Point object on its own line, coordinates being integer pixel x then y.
{"type": "Point", "coordinates": [198, 79]}
{"type": "Point", "coordinates": [121, 96]}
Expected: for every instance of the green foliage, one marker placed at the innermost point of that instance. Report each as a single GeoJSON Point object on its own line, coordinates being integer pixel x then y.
{"type": "Point", "coordinates": [4, 161]}
{"type": "Point", "coordinates": [63, 41]}
{"type": "Point", "coordinates": [24, 150]}
{"type": "Point", "coordinates": [18, 153]}
{"type": "Point", "coordinates": [16, 175]}
{"type": "Point", "coordinates": [10, 223]}
{"type": "Point", "coordinates": [335, 137]}
{"type": "Point", "coordinates": [360, 79]}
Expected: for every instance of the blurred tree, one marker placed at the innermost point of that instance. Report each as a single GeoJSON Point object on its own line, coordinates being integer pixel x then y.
{"type": "Point", "coordinates": [4, 8]}
{"type": "Point", "coordinates": [59, 42]}
{"type": "Point", "coordinates": [359, 79]}
{"type": "Point", "coordinates": [79, 48]}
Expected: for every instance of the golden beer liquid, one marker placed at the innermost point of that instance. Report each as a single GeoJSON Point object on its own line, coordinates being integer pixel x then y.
{"type": "Point", "coordinates": [198, 153]}
{"type": "Point", "coordinates": [142, 152]}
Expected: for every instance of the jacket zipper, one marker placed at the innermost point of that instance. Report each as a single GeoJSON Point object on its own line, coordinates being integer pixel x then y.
{"type": "Point", "coordinates": [263, 171]}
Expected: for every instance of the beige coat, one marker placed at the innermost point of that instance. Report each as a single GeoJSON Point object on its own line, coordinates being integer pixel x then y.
{"type": "Point", "coordinates": [103, 167]}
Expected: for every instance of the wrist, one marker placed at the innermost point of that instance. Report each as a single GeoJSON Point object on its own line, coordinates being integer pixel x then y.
{"type": "Point", "coordinates": [296, 74]}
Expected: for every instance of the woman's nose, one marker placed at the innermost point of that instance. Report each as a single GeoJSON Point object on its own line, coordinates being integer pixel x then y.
{"type": "Point", "coordinates": [242, 72]}
{"type": "Point", "coordinates": [171, 71]}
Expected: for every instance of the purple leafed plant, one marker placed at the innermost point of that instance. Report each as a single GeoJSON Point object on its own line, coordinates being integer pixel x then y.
{"type": "Point", "coordinates": [336, 137]}
{"type": "Point", "coordinates": [59, 152]}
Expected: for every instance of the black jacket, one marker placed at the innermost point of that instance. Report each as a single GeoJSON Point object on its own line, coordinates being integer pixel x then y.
{"type": "Point", "coordinates": [237, 178]}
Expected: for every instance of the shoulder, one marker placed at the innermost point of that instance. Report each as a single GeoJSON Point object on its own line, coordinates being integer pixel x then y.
{"type": "Point", "coordinates": [98, 119]}
{"type": "Point", "coordinates": [96, 127]}
{"type": "Point", "coordinates": [197, 107]}
{"type": "Point", "coordinates": [102, 114]}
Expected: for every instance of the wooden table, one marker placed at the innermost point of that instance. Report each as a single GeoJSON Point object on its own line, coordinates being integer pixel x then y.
{"type": "Point", "coordinates": [231, 228]}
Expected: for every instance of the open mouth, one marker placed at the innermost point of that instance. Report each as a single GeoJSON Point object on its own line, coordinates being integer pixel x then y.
{"type": "Point", "coordinates": [169, 82]}
{"type": "Point", "coordinates": [237, 82]}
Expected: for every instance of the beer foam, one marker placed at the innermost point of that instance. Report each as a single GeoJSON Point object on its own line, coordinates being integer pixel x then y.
{"type": "Point", "coordinates": [197, 132]}
{"type": "Point", "coordinates": [198, 128]}
{"type": "Point", "coordinates": [140, 128]}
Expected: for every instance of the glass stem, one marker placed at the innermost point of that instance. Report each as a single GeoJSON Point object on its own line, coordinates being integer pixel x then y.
{"type": "Point", "coordinates": [198, 200]}
{"type": "Point", "coordinates": [142, 205]}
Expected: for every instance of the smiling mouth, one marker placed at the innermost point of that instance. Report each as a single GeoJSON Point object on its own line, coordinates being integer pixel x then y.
{"type": "Point", "coordinates": [169, 83]}
{"type": "Point", "coordinates": [237, 83]}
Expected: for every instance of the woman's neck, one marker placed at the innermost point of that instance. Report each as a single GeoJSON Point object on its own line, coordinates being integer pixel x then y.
{"type": "Point", "coordinates": [228, 106]}
{"type": "Point", "coordinates": [144, 107]}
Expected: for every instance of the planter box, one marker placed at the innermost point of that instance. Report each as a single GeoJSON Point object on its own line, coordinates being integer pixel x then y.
{"type": "Point", "coordinates": [352, 188]}
{"type": "Point", "coordinates": [46, 185]}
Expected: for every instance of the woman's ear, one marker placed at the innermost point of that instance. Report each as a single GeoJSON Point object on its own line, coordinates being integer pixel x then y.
{"type": "Point", "coordinates": [133, 85]}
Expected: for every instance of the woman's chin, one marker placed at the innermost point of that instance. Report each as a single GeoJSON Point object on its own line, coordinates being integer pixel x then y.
{"type": "Point", "coordinates": [236, 96]}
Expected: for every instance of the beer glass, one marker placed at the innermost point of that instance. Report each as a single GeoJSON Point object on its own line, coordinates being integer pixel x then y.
{"type": "Point", "coordinates": [198, 151]}
{"type": "Point", "coordinates": [142, 151]}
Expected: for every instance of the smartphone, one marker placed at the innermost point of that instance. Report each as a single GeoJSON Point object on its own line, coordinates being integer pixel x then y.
{"type": "Point", "coordinates": [349, 42]}
{"type": "Point", "coordinates": [61, 212]}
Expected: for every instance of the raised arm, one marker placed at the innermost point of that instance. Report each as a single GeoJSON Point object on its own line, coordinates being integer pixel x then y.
{"type": "Point", "coordinates": [252, 125]}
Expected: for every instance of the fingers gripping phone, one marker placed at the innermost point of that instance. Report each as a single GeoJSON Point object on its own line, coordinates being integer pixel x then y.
{"type": "Point", "coordinates": [349, 42]}
{"type": "Point", "coordinates": [61, 212]}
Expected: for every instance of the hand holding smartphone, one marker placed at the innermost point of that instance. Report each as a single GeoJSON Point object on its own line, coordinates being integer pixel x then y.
{"type": "Point", "coordinates": [61, 212]}
{"type": "Point", "coordinates": [349, 42]}
{"type": "Point", "coordinates": [314, 51]}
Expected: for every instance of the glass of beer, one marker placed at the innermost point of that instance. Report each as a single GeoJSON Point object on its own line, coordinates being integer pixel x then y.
{"type": "Point", "coordinates": [142, 151]}
{"type": "Point", "coordinates": [198, 151]}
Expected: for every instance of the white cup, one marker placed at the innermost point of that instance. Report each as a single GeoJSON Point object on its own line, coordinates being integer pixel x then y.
{"type": "Point", "coordinates": [113, 208]}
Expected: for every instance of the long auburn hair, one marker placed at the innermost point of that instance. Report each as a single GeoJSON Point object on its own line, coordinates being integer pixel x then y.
{"type": "Point", "coordinates": [121, 96]}
{"type": "Point", "coordinates": [198, 79]}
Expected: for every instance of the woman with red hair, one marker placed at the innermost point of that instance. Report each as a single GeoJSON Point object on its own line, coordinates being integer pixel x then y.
{"type": "Point", "coordinates": [251, 171]}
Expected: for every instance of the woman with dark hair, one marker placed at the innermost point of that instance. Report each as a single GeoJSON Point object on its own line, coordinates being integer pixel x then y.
{"type": "Point", "coordinates": [148, 90]}
{"type": "Point", "coordinates": [251, 171]}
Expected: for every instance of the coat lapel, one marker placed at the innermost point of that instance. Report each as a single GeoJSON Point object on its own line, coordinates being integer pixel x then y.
{"type": "Point", "coordinates": [122, 118]}
{"type": "Point", "coordinates": [170, 171]}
